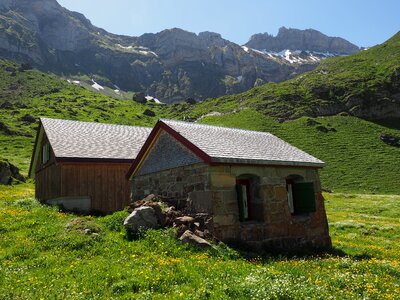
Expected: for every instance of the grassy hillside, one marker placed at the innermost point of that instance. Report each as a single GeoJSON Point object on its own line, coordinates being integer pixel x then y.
{"type": "Point", "coordinates": [25, 95]}
{"type": "Point", "coordinates": [364, 84]}
{"type": "Point", "coordinates": [356, 159]}
{"type": "Point", "coordinates": [45, 254]}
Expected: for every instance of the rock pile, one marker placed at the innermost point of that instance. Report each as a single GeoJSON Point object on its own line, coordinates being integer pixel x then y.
{"type": "Point", "coordinates": [156, 212]}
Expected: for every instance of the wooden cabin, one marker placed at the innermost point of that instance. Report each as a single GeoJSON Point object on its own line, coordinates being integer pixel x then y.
{"type": "Point", "coordinates": [82, 165]}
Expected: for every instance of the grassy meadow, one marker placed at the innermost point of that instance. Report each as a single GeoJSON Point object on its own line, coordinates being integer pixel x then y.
{"type": "Point", "coordinates": [46, 254]}
{"type": "Point", "coordinates": [357, 161]}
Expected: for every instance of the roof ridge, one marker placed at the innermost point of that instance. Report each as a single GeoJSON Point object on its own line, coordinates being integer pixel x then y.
{"type": "Point", "coordinates": [218, 126]}
{"type": "Point", "coordinates": [97, 123]}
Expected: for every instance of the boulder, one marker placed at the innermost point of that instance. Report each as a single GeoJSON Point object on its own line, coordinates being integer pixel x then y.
{"type": "Point", "coordinates": [141, 219]}
{"type": "Point", "coordinates": [185, 220]}
{"type": "Point", "coordinates": [158, 211]}
{"type": "Point", "coordinates": [5, 173]}
{"type": "Point", "coordinates": [139, 97]}
{"type": "Point", "coordinates": [148, 201]}
{"type": "Point", "coordinates": [6, 105]}
{"type": "Point", "coordinates": [191, 238]}
{"type": "Point", "coordinates": [181, 229]}
{"type": "Point", "coordinates": [170, 215]}
{"type": "Point", "coordinates": [6, 130]}
{"type": "Point", "coordinates": [390, 139]}
{"type": "Point", "coordinates": [150, 197]}
{"type": "Point", "coordinates": [28, 119]}
{"type": "Point", "coordinates": [9, 173]}
{"type": "Point", "coordinates": [149, 113]}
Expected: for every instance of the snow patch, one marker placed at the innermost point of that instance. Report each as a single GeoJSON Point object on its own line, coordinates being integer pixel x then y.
{"type": "Point", "coordinates": [96, 86]}
{"type": "Point", "coordinates": [149, 98]}
{"type": "Point", "coordinates": [138, 50]}
{"type": "Point", "coordinates": [296, 56]}
{"type": "Point", "coordinates": [246, 49]}
{"type": "Point", "coordinates": [124, 47]}
{"type": "Point", "coordinates": [239, 78]}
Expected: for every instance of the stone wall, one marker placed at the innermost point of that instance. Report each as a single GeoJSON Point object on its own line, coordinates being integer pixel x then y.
{"type": "Point", "coordinates": [276, 227]}
{"type": "Point", "coordinates": [212, 190]}
{"type": "Point", "coordinates": [167, 153]}
{"type": "Point", "coordinates": [186, 185]}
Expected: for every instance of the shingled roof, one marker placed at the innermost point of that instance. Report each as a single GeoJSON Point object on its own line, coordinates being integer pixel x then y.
{"type": "Point", "coordinates": [216, 144]}
{"type": "Point", "coordinates": [89, 140]}
{"type": "Point", "coordinates": [225, 144]}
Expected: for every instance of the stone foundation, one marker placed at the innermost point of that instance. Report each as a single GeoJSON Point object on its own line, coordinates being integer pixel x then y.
{"type": "Point", "coordinates": [212, 189]}
{"type": "Point", "coordinates": [184, 185]}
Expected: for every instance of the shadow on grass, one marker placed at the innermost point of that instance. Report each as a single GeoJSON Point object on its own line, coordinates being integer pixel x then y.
{"type": "Point", "coordinates": [305, 253]}
{"type": "Point", "coordinates": [393, 123]}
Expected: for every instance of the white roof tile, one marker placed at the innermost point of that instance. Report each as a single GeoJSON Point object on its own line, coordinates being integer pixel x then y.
{"type": "Point", "coordinates": [76, 139]}
{"type": "Point", "coordinates": [232, 145]}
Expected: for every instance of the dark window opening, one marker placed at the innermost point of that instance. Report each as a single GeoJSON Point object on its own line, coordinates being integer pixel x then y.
{"type": "Point", "coordinates": [45, 153]}
{"type": "Point", "coordinates": [301, 195]}
{"type": "Point", "coordinates": [249, 202]}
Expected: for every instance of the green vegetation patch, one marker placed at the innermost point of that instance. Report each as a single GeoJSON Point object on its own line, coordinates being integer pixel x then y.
{"type": "Point", "coordinates": [27, 94]}
{"type": "Point", "coordinates": [356, 158]}
{"type": "Point", "coordinates": [41, 257]}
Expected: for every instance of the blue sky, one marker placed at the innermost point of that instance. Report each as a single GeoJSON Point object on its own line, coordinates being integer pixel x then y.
{"type": "Point", "coordinates": [365, 23]}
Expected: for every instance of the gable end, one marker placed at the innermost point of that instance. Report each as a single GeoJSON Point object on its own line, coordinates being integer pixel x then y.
{"type": "Point", "coordinates": [166, 153]}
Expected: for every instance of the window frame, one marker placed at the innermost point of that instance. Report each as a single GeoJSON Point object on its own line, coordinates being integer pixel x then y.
{"type": "Point", "coordinates": [296, 203]}
{"type": "Point", "coordinates": [45, 153]}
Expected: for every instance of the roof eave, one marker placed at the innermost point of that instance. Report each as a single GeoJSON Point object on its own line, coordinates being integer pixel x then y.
{"type": "Point", "coordinates": [32, 165]}
{"type": "Point", "coordinates": [94, 160]}
{"type": "Point", "coordinates": [242, 161]}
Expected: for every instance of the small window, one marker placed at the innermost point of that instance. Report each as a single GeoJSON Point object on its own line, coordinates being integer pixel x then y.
{"type": "Point", "coordinates": [242, 192]}
{"type": "Point", "coordinates": [45, 153]}
{"type": "Point", "coordinates": [249, 202]}
{"type": "Point", "coordinates": [301, 197]}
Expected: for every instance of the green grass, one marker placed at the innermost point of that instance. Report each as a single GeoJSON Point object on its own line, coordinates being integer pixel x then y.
{"type": "Point", "coordinates": [356, 159]}
{"type": "Point", "coordinates": [37, 94]}
{"type": "Point", "coordinates": [44, 254]}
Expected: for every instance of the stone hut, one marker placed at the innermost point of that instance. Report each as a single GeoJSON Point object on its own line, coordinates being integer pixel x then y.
{"type": "Point", "coordinates": [257, 188]}
{"type": "Point", "coordinates": [82, 165]}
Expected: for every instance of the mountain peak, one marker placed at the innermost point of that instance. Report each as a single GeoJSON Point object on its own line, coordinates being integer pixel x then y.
{"type": "Point", "coordinates": [303, 40]}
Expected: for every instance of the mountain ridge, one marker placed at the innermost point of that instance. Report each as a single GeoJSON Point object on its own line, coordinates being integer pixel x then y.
{"type": "Point", "coordinates": [303, 40]}
{"type": "Point", "coordinates": [172, 65]}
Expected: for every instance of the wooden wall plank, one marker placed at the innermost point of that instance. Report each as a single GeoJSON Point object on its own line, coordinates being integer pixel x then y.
{"type": "Point", "coordinates": [105, 183]}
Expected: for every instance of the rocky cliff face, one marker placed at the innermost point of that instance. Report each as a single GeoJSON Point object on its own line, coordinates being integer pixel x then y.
{"type": "Point", "coordinates": [303, 40]}
{"type": "Point", "coordinates": [171, 65]}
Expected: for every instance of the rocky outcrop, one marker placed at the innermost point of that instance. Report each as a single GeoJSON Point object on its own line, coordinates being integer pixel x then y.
{"type": "Point", "coordinates": [172, 65]}
{"type": "Point", "coordinates": [303, 40]}
{"type": "Point", "coordinates": [390, 139]}
{"type": "Point", "coordinates": [9, 173]}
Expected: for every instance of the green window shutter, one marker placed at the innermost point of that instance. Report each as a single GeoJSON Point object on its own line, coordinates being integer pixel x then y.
{"type": "Point", "coordinates": [304, 197]}
{"type": "Point", "coordinates": [239, 196]}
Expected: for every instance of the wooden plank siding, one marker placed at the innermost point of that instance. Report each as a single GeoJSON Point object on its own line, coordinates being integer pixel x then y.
{"type": "Point", "coordinates": [48, 182]}
{"type": "Point", "coordinates": [104, 183]}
